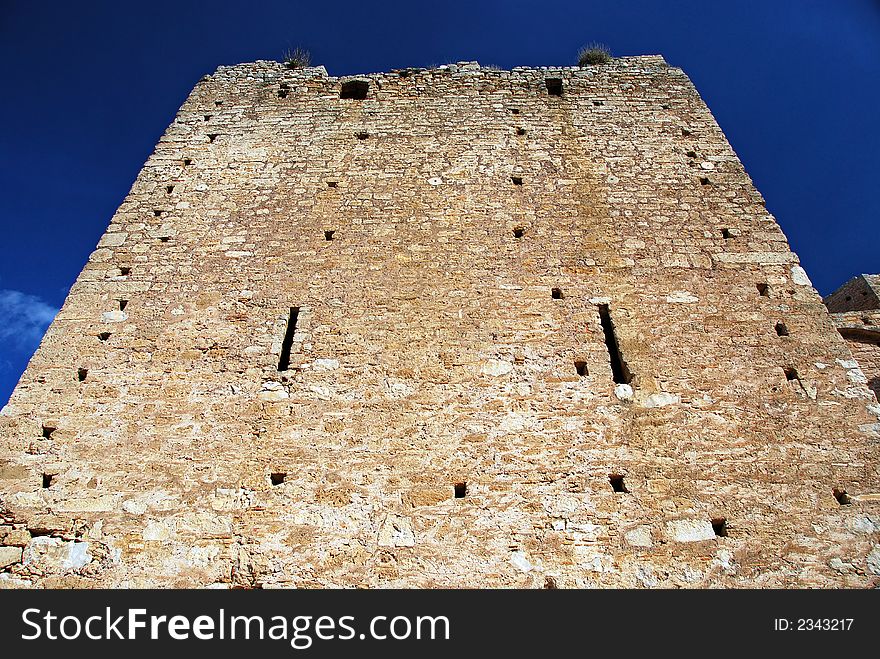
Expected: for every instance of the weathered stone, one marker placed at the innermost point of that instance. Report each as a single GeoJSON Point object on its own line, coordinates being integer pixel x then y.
{"type": "Point", "coordinates": [661, 399]}
{"type": "Point", "coordinates": [420, 339]}
{"type": "Point", "coordinates": [873, 560]}
{"type": "Point", "coordinates": [856, 314]}
{"type": "Point", "coordinates": [690, 530]}
{"type": "Point", "coordinates": [52, 554]}
{"type": "Point", "coordinates": [396, 531]}
{"type": "Point", "coordinates": [9, 555]}
{"type": "Point", "coordinates": [496, 367]}
{"type": "Point", "coordinates": [14, 537]}
{"type": "Point", "coordinates": [639, 537]}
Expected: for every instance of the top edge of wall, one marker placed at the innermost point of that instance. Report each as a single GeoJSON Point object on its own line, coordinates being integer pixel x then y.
{"type": "Point", "coordinates": [268, 69]}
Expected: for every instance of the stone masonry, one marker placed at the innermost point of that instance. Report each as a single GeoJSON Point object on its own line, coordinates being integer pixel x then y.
{"type": "Point", "coordinates": [855, 308]}
{"type": "Point", "coordinates": [456, 327]}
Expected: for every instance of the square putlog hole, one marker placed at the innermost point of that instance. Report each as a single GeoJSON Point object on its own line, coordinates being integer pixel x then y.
{"type": "Point", "coordinates": [460, 490]}
{"type": "Point", "coordinates": [554, 86]}
{"type": "Point", "coordinates": [617, 483]}
{"type": "Point", "coordinates": [354, 90]}
{"type": "Point", "coordinates": [719, 525]}
{"type": "Point", "coordinates": [842, 497]}
{"type": "Point", "coordinates": [278, 477]}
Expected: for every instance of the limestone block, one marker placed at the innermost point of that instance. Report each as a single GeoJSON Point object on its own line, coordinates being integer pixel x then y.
{"type": "Point", "coordinates": [396, 531]}
{"type": "Point", "coordinates": [690, 530]}
{"type": "Point", "coordinates": [9, 555]}
{"type": "Point", "coordinates": [53, 554]}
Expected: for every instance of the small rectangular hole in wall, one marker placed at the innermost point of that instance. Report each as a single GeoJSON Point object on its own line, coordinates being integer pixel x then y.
{"type": "Point", "coordinates": [212, 136]}
{"type": "Point", "coordinates": [283, 90]}
{"type": "Point", "coordinates": [556, 293]}
{"type": "Point", "coordinates": [617, 483]}
{"type": "Point", "coordinates": [518, 232]}
{"type": "Point", "coordinates": [619, 369]}
{"type": "Point", "coordinates": [124, 271]}
{"type": "Point", "coordinates": [581, 369]}
{"type": "Point", "coordinates": [719, 525]}
{"type": "Point", "coordinates": [328, 235]}
{"type": "Point", "coordinates": [598, 103]}
{"type": "Point", "coordinates": [781, 329]}
{"type": "Point", "coordinates": [362, 135]}
{"type": "Point", "coordinates": [47, 480]}
{"type": "Point", "coordinates": [157, 213]}
{"type": "Point", "coordinates": [169, 189]}
{"type": "Point", "coordinates": [520, 131]}
{"type": "Point", "coordinates": [82, 374]}
{"type": "Point", "coordinates": [47, 432]}
{"type": "Point", "coordinates": [763, 290]}
{"type": "Point", "coordinates": [218, 103]}
{"type": "Point", "coordinates": [704, 180]}
{"type": "Point", "coordinates": [332, 184]}
{"type": "Point", "coordinates": [278, 477]}
{"type": "Point", "coordinates": [791, 374]}
{"type": "Point", "coordinates": [354, 89]}
{"type": "Point", "coordinates": [123, 304]}
{"type": "Point", "coordinates": [517, 180]}
{"type": "Point", "coordinates": [842, 497]}
{"type": "Point", "coordinates": [554, 86]}
{"type": "Point", "coordinates": [725, 233]}
{"type": "Point", "coordinates": [103, 336]}
{"type": "Point", "coordinates": [208, 117]}
{"type": "Point", "coordinates": [284, 359]}
{"type": "Point", "coordinates": [514, 110]}
{"type": "Point", "coordinates": [187, 162]}
{"type": "Point", "coordinates": [164, 239]}
{"type": "Point", "coordinates": [460, 490]}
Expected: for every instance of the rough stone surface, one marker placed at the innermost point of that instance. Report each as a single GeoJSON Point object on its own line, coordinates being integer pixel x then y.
{"type": "Point", "coordinates": [690, 530]}
{"type": "Point", "coordinates": [856, 308]}
{"type": "Point", "coordinates": [9, 556]}
{"type": "Point", "coordinates": [446, 418]}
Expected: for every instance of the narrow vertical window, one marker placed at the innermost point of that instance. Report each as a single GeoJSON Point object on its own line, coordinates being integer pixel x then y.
{"type": "Point", "coordinates": [284, 359]}
{"type": "Point", "coordinates": [619, 369]}
{"type": "Point", "coordinates": [554, 86]}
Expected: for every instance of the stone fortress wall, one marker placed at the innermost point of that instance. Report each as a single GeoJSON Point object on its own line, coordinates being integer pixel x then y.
{"type": "Point", "coordinates": [453, 327]}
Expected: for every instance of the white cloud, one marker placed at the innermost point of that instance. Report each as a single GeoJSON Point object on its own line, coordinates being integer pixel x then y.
{"type": "Point", "coordinates": [23, 319]}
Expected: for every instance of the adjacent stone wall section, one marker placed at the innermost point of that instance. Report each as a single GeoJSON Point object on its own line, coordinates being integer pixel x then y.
{"type": "Point", "coordinates": [857, 318]}
{"type": "Point", "coordinates": [858, 294]}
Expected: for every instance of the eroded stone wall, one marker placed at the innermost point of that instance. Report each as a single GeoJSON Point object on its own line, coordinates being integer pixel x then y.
{"type": "Point", "coordinates": [861, 331]}
{"type": "Point", "coordinates": [447, 419]}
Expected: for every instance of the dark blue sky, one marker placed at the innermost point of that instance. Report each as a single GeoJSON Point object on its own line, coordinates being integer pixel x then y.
{"type": "Point", "coordinates": [89, 87]}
